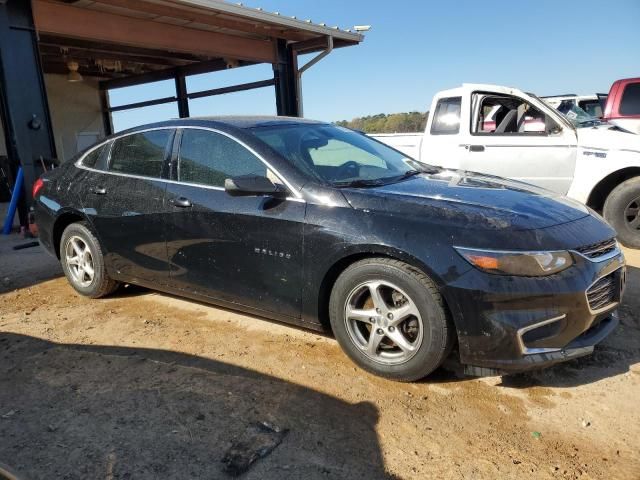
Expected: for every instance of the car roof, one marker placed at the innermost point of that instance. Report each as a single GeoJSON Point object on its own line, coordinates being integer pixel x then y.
{"type": "Point", "coordinates": [256, 120]}
{"type": "Point", "coordinates": [236, 121]}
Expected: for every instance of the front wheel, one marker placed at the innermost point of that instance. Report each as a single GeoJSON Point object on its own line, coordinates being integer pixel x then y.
{"type": "Point", "coordinates": [390, 319]}
{"type": "Point", "coordinates": [83, 263]}
{"type": "Point", "coordinates": [622, 211]}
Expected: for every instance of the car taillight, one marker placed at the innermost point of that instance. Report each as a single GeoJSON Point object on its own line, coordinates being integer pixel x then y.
{"type": "Point", "coordinates": [37, 185]}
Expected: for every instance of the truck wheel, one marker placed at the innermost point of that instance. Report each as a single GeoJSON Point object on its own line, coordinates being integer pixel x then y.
{"type": "Point", "coordinates": [622, 211]}
{"type": "Point", "coordinates": [390, 319]}
{"type": "Point", "coordinates": [83, 263]}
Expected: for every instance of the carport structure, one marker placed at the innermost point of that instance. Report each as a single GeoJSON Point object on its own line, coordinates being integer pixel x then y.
{"type": "Point", "coordinates": [108, 44]}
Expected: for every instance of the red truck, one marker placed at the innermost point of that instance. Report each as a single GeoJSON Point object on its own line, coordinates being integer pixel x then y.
{"type": "Point", "coordinates": [623, 104]}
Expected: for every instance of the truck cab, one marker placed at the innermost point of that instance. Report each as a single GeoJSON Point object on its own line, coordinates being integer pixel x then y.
{"type": "Point", "coordinates": [501, 130]}
{"type": "Point", "coordinates": [623, 104]}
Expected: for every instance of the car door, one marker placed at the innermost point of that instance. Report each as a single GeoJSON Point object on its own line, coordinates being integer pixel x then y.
{"type": "Point", "coordinates": [242, 250]}
{"type": "Point", "coordinates": [520, 142]}
{"type": "Point", "coordinates": [124, 200]}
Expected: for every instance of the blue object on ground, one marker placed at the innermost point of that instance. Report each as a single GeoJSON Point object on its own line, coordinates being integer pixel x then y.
{"type": "Point", "coordinates": [15, 196]}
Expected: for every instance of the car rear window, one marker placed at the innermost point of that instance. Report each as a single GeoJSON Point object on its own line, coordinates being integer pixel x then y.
{"type": "Point", "coordinates": [140, 154]}
{"type": "Point", "coordinates": [446, 120]}
{"type": "Point", "coordinates": [91, 159]}
{"type": "Point", "coordinates": [630, 103]}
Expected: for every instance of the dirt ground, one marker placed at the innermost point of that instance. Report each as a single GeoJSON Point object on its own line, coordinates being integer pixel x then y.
{"type": "Point", "coordinates": [145, 385]}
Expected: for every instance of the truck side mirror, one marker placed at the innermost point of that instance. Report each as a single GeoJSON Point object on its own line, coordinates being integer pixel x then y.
{"type": "Point", "coordinates": [551, 127]}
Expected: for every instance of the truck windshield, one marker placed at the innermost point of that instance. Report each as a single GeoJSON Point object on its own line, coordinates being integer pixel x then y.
{"type": "Point", "coordinates": [337, 155]}
{"type": "Point", "coordinates": [577, 116]}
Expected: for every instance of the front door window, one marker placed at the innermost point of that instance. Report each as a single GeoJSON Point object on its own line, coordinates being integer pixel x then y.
{"type": "Point", "coordinates": [507, 115]}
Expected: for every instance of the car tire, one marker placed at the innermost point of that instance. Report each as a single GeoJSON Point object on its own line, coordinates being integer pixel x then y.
{"type": "Point", "coordinates": [421, 325]}
{"type": "Point", "coordinates": [622, 211]}
{"type": "Point", "coordinates": [83, 263]}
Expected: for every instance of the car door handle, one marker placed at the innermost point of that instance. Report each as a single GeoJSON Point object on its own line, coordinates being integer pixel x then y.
{"type": "Point", "coordinates": [181, 202]}
{"type": "Point", "coordinates": [98, 190]}
{"type": "Point", "coordinates": [476, 148]}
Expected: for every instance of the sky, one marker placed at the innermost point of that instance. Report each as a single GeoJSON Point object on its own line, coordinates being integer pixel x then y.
{"type": "Point", "coordinates": [416, 48]}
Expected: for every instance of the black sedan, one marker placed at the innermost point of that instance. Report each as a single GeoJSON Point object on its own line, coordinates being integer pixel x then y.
{"type": "Point", "coordinates": [324, 227]}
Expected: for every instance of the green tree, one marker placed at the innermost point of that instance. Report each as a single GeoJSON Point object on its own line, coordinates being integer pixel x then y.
{"type": "Point", "coordinates": [388, 123]}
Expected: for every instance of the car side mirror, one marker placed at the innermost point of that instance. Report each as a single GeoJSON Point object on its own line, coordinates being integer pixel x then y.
{"type": "Point", "coordinates": [252, 185]}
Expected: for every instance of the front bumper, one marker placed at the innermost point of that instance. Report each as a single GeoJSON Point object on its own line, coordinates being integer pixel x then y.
{"type": "Point", "coordinates": [515, 324]}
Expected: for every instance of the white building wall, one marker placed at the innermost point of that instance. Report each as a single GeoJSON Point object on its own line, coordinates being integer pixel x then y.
{"type": "Point", "coordinates": [75, 114]}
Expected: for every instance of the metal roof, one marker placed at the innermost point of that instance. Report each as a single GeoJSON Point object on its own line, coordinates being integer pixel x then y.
{"type": "Point", "coordinates": [114, 38]}
{"type": "Point", "coordinates": [201, 14]}
{"type": "Point", "coordinates": [275, 18]}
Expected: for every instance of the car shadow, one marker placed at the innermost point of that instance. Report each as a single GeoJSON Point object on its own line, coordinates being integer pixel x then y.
{"type": "Point", "coordinates": [24, 267]}
{"type": "Point", "coordinates": [82, 411]}
{"type": "Point", "coordinates": [613, 356]}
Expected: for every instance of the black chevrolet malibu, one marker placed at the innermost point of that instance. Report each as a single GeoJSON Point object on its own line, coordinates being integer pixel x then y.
{"type": "Point", "coordinates": [323, 227]}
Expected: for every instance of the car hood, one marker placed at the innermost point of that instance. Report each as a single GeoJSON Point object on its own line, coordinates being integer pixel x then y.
{"type": "Point", "coordinates": [471, 200]}
{"type": "Point", "coordinates": [608, 137]}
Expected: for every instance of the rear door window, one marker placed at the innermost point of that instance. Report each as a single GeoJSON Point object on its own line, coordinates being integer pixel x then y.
{"type": "Point", "coordinates": [208, 158]}
{"type": "Point", "coordinates": [630, 103]}
{"type": "Point", "coordinates": [142, 154]}
{"type": "Point", "coordinates": [446, 120]}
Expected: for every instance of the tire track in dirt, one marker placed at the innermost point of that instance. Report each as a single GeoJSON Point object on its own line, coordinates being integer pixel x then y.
{"type": "Point", "coordinates": [445, 427]}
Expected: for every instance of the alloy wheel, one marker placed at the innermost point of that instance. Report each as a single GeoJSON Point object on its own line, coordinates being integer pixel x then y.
{"type": "Point", "coordinates": [632, 214]}
{"type": "Point", "coordinates": [383, 322]}
{"type": "Point", "coordinates": [79, 261]}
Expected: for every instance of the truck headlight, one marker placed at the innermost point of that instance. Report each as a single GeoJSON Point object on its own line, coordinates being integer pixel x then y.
{"type": "Point", "coordinates": [524, 264]}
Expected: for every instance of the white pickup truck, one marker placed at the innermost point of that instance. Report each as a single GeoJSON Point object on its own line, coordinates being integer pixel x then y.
{"type": "Point", "coordinates": [504, 131]}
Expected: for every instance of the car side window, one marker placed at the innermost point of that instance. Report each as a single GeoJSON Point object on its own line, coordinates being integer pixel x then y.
{"type": "Point", "coordinates": [140, 154]}
{"type": "Point", "coordinates": [90, 160]}
{"type": "Point", "coordinates": [208, 158]}
{"type": "Point", "coordinates": [630, 102]}
{"type": "Point", "coordinates": [507, 115]}
{"type": "Point", "coordinates": [446, 120]}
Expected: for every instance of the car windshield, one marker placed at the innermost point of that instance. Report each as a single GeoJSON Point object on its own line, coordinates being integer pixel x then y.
{"type": "Point", "coordinates": [337, 155]}
{"type": "Point", "coordinates": [577, 116]}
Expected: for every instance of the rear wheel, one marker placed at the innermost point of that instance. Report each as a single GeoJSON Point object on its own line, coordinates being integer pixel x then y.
{"type": "Point", "coordinates": [622, 211]}
{"type": "Point", "coordinates": [390, 319]}
{"type": "Point", "coordinates": [83, 263]}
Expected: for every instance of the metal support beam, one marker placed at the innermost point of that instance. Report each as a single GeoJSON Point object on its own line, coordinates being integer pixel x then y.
{"type": "Point", "coordinates": [181, 95]}
{"type": "Point", "coordinates": [27, 121]}
{"type": "Point", "coordinates": [285, 80]}
{"type": "Point", "coordinates": [182, 91]}
{"type": "Point", "coordinates": [234, 88]}
{"type": "Point", "coordinates": [146, 103]}
{"type": "Point", "coordinates": [107, 121]}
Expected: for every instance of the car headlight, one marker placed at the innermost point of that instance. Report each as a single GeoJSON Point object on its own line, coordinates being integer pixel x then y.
{"type": "Point", "coordinates": [525, 264]}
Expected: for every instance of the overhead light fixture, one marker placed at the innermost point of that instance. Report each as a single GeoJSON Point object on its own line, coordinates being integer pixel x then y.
{"type": "Point", "coordinates": [74, 75]}
{"type": "Point", "coordinates": [362, 28]}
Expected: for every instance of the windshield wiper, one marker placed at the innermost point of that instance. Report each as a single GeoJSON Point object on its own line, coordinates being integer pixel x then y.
{"type": "Point", "coordinates": [360, 183]}
{"type": "Point", "coordinates": [594, 122]}
{"type": "Point", "coordinates": [363, 183]}
{"type": "Point", "coordinates": [409, 174]}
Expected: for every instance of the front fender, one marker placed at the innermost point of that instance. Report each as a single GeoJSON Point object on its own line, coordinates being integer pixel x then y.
{"type": "Point", "coordinates": [596, 164]}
